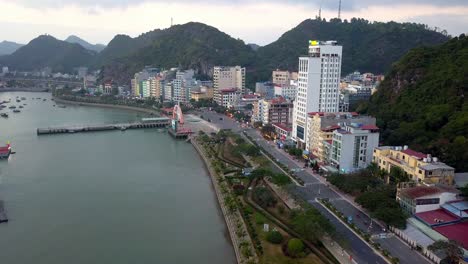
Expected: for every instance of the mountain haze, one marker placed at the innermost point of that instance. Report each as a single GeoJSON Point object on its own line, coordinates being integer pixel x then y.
{"type": "Point", "coordinates": [422, 102]}
{"type": "Point", "coordinates": [8, 47]}
{"type": "Point", "coordinates": [85, 44]}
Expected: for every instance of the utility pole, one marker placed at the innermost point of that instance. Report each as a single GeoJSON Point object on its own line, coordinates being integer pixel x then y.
{"type": "Point", "coordinates": [339, 10]}
{"type": "Point", "coordinates": [172, 21]}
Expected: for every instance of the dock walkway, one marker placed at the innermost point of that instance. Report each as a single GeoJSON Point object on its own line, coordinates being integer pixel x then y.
{"type": "Point", "coordinates": [161, 123]}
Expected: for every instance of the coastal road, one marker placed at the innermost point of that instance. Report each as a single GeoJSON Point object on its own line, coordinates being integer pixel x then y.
{"type": "Point", "coordinates": [317, 187]}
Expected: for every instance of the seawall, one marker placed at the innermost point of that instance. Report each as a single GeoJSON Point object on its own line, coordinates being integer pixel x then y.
{"type": "Point", "coordinates": [124, 107]}
{"type": "Point", "coordinates": [227, 219]}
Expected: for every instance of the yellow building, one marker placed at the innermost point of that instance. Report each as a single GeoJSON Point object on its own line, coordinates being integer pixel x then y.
{"type": "Point", "coordinates": [204, 93]}
{"type": "Point", "coordinates": [418, 166]}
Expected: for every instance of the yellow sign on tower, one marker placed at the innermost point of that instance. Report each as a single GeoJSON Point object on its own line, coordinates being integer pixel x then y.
{"type": "Point", "coordinates": [313, 42]}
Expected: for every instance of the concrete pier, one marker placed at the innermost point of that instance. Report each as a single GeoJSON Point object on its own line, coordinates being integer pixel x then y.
{"type": "Point", "coordinates": [160, 123]}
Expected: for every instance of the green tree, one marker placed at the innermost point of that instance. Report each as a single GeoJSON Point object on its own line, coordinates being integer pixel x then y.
{"type": "Point", "coordinates": [451, 249]}
{"type": "Point", "coordinates": [264, 197]}
{"type": "Point", "coordinates": [295, 247]}
{"type": "Point", "coordinates": [274, 237]}
{"type": "Point", "coordinates": [464, 190]}
{"type": "Point", "coordinates": [310, 223]}
{"type": "Point", "coordinates": [398, 175]}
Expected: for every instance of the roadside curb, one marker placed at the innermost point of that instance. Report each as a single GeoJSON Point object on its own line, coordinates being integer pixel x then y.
{"type": "Point", "coordinates": [354, 232]}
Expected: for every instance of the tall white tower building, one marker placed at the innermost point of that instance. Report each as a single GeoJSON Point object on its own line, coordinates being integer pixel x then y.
{"type": "Point", "coordinates": [318, 85]}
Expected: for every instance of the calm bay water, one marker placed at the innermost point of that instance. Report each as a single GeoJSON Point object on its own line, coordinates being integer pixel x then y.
{"type": "Point", "coordinates": [108, 197]}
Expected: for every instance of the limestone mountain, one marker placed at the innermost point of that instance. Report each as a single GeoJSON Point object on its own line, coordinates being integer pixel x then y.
{"type": "Point", "coordinates": [47, 51]}
{"type": "Point", "coordinates": [422, 102]}
{"type": "Point", "coordinates": [367, 46]}
{"type": "Point", "coordinates": [85, 44]}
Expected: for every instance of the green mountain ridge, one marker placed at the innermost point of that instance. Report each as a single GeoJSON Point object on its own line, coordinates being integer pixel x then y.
{"type": "Point", "coordinates": [367, 47]}
{"type": "Point", "coordinates": [422, 103]}
{"type": "Point", "coordinates": [47, 51]}
{"type": "Point", "coordinates": [192, 45]}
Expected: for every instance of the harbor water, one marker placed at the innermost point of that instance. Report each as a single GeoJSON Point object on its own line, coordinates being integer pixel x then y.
{"type": "Point", "coordinates": [135, 196]}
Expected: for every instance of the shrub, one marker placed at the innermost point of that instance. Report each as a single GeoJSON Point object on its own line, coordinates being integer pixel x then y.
{"type": "Point", "coordinates": [295, 246]}
{"type": "Point", "coordinates": [274, 237]}
{"type": "Point", "coordinates": [259, 219]}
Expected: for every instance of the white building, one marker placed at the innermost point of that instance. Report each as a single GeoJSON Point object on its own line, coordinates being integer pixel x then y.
{"type": "Point", "coordinates": [168, 91]}
{"type": "Point", "coordinates": [420, 199]}
{"type": "Point", "coordinates": [4, 70]}
{"type": "Point", "coordinates": [286, 90]}
{"type": "Point", "coordinates": [183, 84]}
{"type": "Point", "coordinates": [228, 77]}
{"type": "Point", "coordinates": [229, 97]}
{"type": "Point", "coordinates": [318, 85]}
{"type": "Point", "coordinates": [353, 146]}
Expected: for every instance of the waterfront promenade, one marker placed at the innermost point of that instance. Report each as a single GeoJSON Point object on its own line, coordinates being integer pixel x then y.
{"type": "Point", "coordinates": [234, 222]}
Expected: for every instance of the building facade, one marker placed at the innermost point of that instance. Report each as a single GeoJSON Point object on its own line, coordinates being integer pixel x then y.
{"type": "Point", "coordinates": [182, 86]}
{"type": "Point", "coordinates": [420, 199]}
{"type": "Point", "coordinates": [278, 110]}
{"type": "Point", "coordinates": [227, 77]}
{"type": "Point", "coordinates": [352, 146]}
{"type": "Point", "coordinates": [279, 77]}
{"type": "Point", "coordinates": [287, 91]}
{"type": "Point", "coordinates": [318, 85]}
{"type": "Point", "coordinates": [420, 167]}
{"type": "Point", "coordinates": [229, 97]}
{"type": "Point", "coordinates": [320, 127]}
{"type": "Point", "coordinates": [168, 92]}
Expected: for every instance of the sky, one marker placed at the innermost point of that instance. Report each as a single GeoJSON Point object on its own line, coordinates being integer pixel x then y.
{"type": "Point", "coordinates": [260, 21]}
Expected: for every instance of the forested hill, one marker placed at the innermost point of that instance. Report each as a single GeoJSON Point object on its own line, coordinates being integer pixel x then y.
{"type": "Point", "coordinates": [192, 45]}
{"type": "Point", "coordinates": [367, 46]}
{"type": "Point", "coordinates": [422, 102]}
{"type": "Point", "coordinates": [47, 51]}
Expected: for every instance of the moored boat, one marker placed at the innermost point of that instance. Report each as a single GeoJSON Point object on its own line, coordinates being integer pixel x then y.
{"type": "Point", "coordinates": [5, 151]}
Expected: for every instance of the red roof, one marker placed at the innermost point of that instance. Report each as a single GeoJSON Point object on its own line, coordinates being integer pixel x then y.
{"type": "Point", "coordinates": [413, 153]}
{"type": "Point", "coordinates": [420, 191]}
{"type": "Point", "coordinates": [354, 113]}
{"type": "Point", "coordinates": [435, 217]}
{"type": "Point", "coordinates": [316, 113]}
{"type": "Point", "coordinates": [370, 127]}
{"type": "Point", "coordinates": [228, 90]}
{"type": "Point", "coordinates": [251, 96]}
{"type": "Point", "coordinates": [278, 100]}
{"type": "Point", "coordinates": [331, 128]}
{"type": "Point", "coordinates": [283, 127]}
{"type": "Point", "coordinates": [457, 232]}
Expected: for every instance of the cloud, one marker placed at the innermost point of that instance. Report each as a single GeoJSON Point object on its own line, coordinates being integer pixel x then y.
{"type": "Point", "coordinates": [259, 22]}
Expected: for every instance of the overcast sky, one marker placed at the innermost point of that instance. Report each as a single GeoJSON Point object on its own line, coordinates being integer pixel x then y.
{"type": "Point", "coordinates": [260, 21]}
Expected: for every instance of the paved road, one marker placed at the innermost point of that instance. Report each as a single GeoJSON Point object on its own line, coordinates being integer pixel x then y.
{"type": "Point", "coordinates": [316, 187]}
